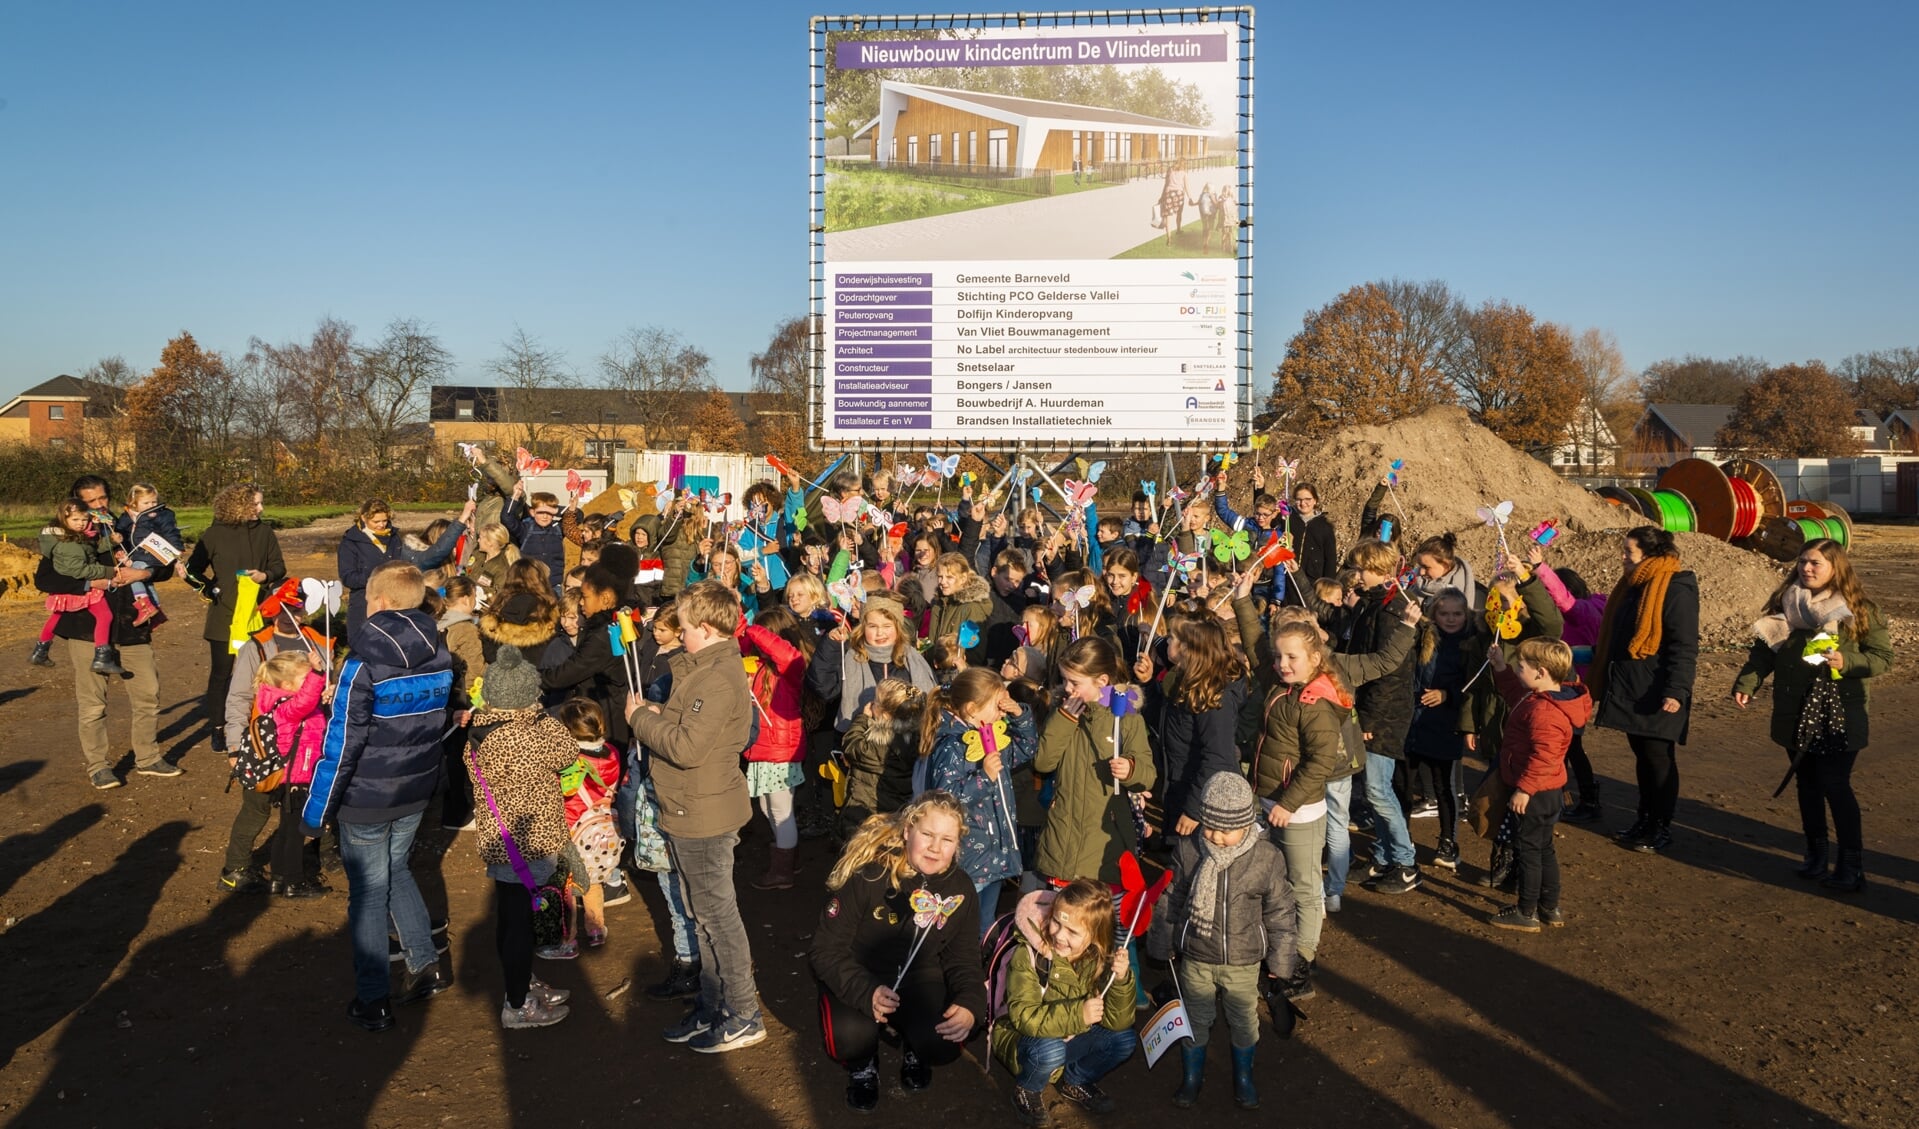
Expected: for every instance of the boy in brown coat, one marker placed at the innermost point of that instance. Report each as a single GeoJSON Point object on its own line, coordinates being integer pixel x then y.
{"type": "Point", "coordinates": [696, 739]}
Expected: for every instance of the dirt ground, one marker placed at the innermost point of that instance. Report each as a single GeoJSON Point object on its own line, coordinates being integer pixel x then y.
{"type": "Point", "coordinates": [1707, 987]}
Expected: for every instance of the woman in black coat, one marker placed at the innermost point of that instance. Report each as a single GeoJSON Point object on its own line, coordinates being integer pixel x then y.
{"type": "Point", "coordinates": [237, 541]}
{"type": "Point", "coordinates": [1314, 542]}
{"type": "Point", "coordinates": [1193, 743]}
{"type": "Point", "coordinates": [1642, 674]}
{"type": "Point", "coordinates": [865, 945]}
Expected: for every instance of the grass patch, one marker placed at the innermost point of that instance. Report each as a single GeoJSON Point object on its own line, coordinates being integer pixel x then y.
{"type": "Point", "coordinates": [22, 524]}
{"type": "Point", "coordinates": [1186, 245]}
{"type": "Point", "coordinates": [870, 200]}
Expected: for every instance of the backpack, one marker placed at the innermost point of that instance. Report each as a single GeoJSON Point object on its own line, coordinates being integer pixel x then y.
{"type": "Point", "coordinates": [259, 764]}
{"type": "Point", "coordinates": [996, 956]}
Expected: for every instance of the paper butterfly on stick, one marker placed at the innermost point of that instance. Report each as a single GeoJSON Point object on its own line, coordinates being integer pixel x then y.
{"type": "Point", "coordinates": [840, 512]}
{"type": "Point", "coordinates": [1285, 467]}
{"type": "Point", "coordinates": [1077, 597]}
{"type": "Point", "coordinates": [1149, 488]}
{"type": "Point", "coordinates": [904, 475]}
{"type": "Point", "coordinates": [1497, 516]}
{"type": "Point", "coordinates": [1121, 700]}
{"type": "Point", "coordinates": [1186, 564]}
{"type": "Point", "coordinates": [780, 467]}
{"type": "Point", "coordinates": [1091, 472]}
{"type": "Point", "coordinates": [967, 479]}
{"type": "Point", "coordinates": [1078, 494]}
{"type": "Point", "coordinates": [474, 453]}
{"type": "Point", "coordinates": [931, 911]}
{"type": "Point", "coordinates": [574, 483]}
{"type": "Point", "coordinates": [968, 635]}
{"type": "Point", "coordinates": [528, 463]}
{"type": "Point", "coordinates": [930, 477]}
{"type": "Point", "coordinates": [877, 516]}
{"type": "Point", "coordinates": [1176, 495]}
{"type": "Point", "coordinates": [1225, 460]}
{"type": "Point", "coordinates": [1022, 476]}
{"type": "Point", "coordinates": [1392, 474]}
{"type": "Point", "coordinates": [847, 591]}
{"type": "Point", "coordinates": [715, 505]}
{"type": "Point", "coordinates": [983, 741]}
{"type": "Point", "coordinates": [1274, 552]}
{"type": "Point", "coordinates": [1258, 442]}
{"type": "Point", "coordinates": [945, 467]}
{"type": "Point", "coordinates": [1234, 546]}
{"type": "Point", "coordinates": [758, 511]}
{"type": "Point", "coordinates": [1035, 495]}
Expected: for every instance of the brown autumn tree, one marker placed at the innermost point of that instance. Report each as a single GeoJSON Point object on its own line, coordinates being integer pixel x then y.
{"type": "Point", "coordinates": [1517, 376]}
{"type": "Point", "coordinates": [784, 371]}
{"type": "Point", "coordinates": [1693, 379]}
{"type": "Point", "coordinates": [1885, 380]}
{"type": "Point", "coordinates": [715, 425]}
{"type": "Point", "coordinates": [182, 416]}
{"type": "Point", "coordinates": [1354, 363]}
{"type": "Point", "coordinates": [1794, 412]}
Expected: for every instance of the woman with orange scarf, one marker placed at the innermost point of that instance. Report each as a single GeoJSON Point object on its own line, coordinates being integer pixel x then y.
{"type": "Point", "coordinates": [1642, 674]}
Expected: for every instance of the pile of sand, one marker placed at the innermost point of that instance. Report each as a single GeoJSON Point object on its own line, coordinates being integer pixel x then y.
{"type": "Point", "coordinates": [17, 566]}
{"type": "Point", "coordinates": [1453, 466]}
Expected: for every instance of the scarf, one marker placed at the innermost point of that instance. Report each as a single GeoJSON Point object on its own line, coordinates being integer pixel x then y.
{"type": "Point", "coordinates": [1802, 610]}
{"type": "Point", "coordinates": [1213, 860]}
{"type": "Point", "coordinates": [1652, 577]}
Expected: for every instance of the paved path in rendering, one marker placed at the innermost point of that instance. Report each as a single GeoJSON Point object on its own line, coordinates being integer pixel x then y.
{"type": "Point", "coordinates": [1096, 224]}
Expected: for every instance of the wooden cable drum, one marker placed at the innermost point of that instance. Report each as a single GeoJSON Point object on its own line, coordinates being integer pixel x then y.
{"type": "Point", "coordinates": [1772, 497]}
{"type": "Point", "coordinates": [1845, 519]}
{"type": "Point", "coordinates": [1823, 529]}
{"type": "Point", "coordinates": [1643, 502]}
{"type": "Point", "coordinates": [1676, 513]}
{"type": "Point", "coordinates": [1618, 497]}
{"type": "Point", "coordinates": [1712, 505]}
{"type": "Point", "coordinates": [1778, 537]}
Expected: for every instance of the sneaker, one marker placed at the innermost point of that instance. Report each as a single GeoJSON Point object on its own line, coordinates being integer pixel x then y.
{"type": "Point", "coordinates": [914, 1074]}
{"type": "Point", "coordinates": [375, 1016]}
{"type": "Point", "coordinates": [1088, 1097]}
{"type": "Point", "coordinates": [243, 881]}
{"type": "Point", "coordinates": [1374, 872]}
{"type": "Point", "coordinates": [536, 1012]}
{"type": "Point", "coordinates": [1447, 855]}
{"type": "Point", "coordinates": [1553, 917]}
{"type": "Point", "coordinates": [548, 992]}
{"type": "Point", "coordinates": [1657, 838]}
{"type": "Point", "coordinates": [730, 1034]}
{"type": "Point", "coordinates": [694, 1023]}
{"type": "Point", "coordinates": [1332, 903]}
{"type": "Point", "coordinates": [299, 889]}
{"type": "Point", "coordinates": [1424, 809]}
{"type": "Point", "coordinates": [617, 895]}
{"type": "Point", "coordinates": [395, 954]}
{"type": "Point", "coordinates": [1396, 880]}
{"type": "Point", "coordinates": [424, 985]}
{"type": "Point", "coordinates": [160, 768]}
{"type": "Point", "coordinates": [1030, 1105]}
{"type": "Point", "coordinates": [467, 826]}
{"type": "Point", "coordinates": [105, 779]}
{"type": "Point", "coordinates": [1512, 918]}
{"type": "Point", "coordinates": [565, 950]}
{"type": "Point", "coordinates": [863, 1087]}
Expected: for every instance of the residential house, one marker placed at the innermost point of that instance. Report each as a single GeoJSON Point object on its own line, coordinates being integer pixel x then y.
{"type": "Point", "coordinates": [1670, 432]}
{"type": "Point", "coordinates": [581, 425]}
{"type": "Point", "coordinates": [67, 411]}
{"type": "Point", "coordinates": [1588, 447]}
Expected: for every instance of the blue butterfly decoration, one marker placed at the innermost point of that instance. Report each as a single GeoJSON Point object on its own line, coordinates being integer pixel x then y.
{"type": "Point", "coordinates": [968, 635]}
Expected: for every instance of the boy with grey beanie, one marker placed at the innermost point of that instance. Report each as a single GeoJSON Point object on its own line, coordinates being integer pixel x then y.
{"type": "Point", "coordinates": [1229, 910]}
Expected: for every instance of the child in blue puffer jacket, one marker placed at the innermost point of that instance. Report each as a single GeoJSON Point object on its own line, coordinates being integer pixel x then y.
{"type": "Point", "coordinates": [977, 736]}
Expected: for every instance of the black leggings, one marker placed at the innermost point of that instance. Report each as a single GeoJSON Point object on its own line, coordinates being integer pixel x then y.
{"type": "Point", "coordinates": [1582, 768]}
{"type": "Point", "coordinates": [852, 1038]}
{"type": "Point", "coordinates": [1442, 783]}
{"type": "Point", "coordinates": [219, 677]}
{"type": "Point", "coordinates": [513, 913]}
{"type": "Point", "coordinates": [1658, 764]}
{"type": "Point", "coordinates": [1827, 781]}
{"type": "Point", "coordinates": [456, 804]}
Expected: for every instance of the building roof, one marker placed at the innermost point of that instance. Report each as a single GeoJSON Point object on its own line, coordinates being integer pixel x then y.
{"type": "Point", "coordinates": [1005, 105]}
{"type": "Point", "coordinates": [70, 389]}
{"type": "Point", "coordinates": [1697, 424]}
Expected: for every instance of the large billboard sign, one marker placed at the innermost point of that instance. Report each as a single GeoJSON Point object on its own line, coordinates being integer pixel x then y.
{"type": "Point", "coordinates": [1032, 231]}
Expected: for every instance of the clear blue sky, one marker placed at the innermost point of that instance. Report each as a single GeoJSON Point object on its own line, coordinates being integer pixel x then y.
{"type": "Point", "coordinates": [1697, 178]}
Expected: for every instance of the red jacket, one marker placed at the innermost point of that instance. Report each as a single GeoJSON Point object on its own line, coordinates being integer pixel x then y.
{"type": "Point", "coordinates": [778, 677]}
{"type": "Point", "coordinates": [1539, 730]}
{"type": "Point", "coordinates": [603, 763]}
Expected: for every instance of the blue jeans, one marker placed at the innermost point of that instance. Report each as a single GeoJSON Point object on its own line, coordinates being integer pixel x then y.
{"type": "Point", "coordinates": [685, 945]}
{"type": "Point", "coordinates": [988, 898]}
{"type": "Point", "coordinates": [1088, 1057]}
{"type": "Point", "coordinates": [1392, 843]}
{"type": "Point", "coordinates": [380, 886]}
{"type": "Point", "coordinates": [1339, 841]}
{"type": "Point", "coordinates": [626, 795]}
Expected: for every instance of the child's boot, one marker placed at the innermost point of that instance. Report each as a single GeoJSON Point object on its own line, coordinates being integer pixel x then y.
{"type": "Point", "coordinates": [780, 867]}
{"type": "Point", "coordinates": [1244, 1092]}
{"type": "Point", "coordinates": [42, 654]}
{"type": "Point", "coordinates": [106, 660]}
{"type": "Point", "coordinates": [1192, 1062]}
{"type": "Point", "coordinates": [144, 609]}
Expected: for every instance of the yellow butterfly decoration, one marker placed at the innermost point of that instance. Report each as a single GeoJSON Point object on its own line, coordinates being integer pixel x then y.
{"type": "Point", "coordinates": [983, 740]}
{"type": "Point", "coordinates": [1258, 442]}
{"type": "Point", "coordinates": [1501, 616]}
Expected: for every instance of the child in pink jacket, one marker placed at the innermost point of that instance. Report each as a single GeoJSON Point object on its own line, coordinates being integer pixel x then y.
{"type": "Point", "coordinates": [776, 651]}
{"type": "Point", "coordinates": [290, 688]}
{"type": "Point", "coordinates": [1585, 611]}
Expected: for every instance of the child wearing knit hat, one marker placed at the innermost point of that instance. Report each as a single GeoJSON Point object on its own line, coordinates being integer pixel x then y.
{"type": "Point", "coordinates": [1229, 909]}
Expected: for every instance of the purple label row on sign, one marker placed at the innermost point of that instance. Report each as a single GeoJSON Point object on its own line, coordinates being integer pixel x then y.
{"type": "Point", "coordinates": [889, 316]}
{"type": "Point", "coordinates": [885, 333]}
{"type": "Point", "coordinates": [883, 422]}
{"type": "Point", "coordinates": [882, 280]}
{"type": "Point", "coordinates": [883, 387]}
{"type": "Point", "coordinates": [923, 352]}
{"type": "Point", "coordinates": [882, 403]}
{"type": "Point", "coordinates": [883, 368]}
{"type": "Point", "coordinates": [884, 297]}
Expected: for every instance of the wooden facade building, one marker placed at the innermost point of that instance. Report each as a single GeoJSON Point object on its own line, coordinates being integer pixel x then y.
{"type": "Point", "coordinates": [931, 125]}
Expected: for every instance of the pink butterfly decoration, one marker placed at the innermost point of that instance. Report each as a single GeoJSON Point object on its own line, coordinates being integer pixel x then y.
{"type": "Point", "coordinates": [528, 463]}
{"type": "Point", "coordinates": [1079, 494]}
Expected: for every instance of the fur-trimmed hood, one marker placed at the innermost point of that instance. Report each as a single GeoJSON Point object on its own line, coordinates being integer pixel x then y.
{"type": "Point", "coordinates": [974, 591]}
{"type": "Point", "coordinates": [536, 632]}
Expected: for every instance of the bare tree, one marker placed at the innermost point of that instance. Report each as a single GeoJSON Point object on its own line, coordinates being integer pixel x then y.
{"type": "Point", "coordinates": [396, 373]}
{"type": "Point", "coordinates": [1608, 388]}
{"type": "Point", "coordinates": [106, 439]}
{"type": "Point", "coordinates": [534, 382]}
{"type": "Point", "coordinates": [659, 376]}
{"type": "Point", "coordinates": [1694, 379]}
{"type": "Point", "coordinates": [1884, 380]}
{"type": "Point", "coordinates": [316, 384]}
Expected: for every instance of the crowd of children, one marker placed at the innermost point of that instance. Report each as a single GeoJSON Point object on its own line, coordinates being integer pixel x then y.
{"type": "Point", "coordinates": [968, 700]}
